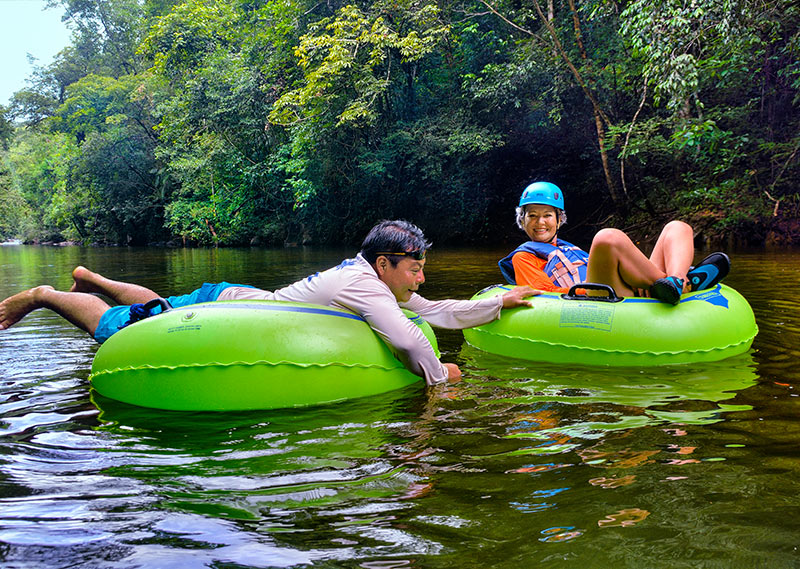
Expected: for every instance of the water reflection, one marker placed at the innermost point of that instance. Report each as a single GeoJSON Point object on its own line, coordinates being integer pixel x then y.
{"type": "Point", "coordinates": [159, 482]}
{"type": "Point", "coordinates": [613, 398]}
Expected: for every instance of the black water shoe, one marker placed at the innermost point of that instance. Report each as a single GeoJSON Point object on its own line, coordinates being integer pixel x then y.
{"type": "Point", "coordinates": [708, 272]}
{"type": "Point", "coordinates": [668, 289]}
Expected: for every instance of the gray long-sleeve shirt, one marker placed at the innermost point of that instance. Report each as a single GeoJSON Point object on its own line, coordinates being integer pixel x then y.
{"type": "Point", "coordinates": [353, 285]}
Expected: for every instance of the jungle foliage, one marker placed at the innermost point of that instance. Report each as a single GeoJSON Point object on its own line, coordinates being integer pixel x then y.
{"type": "Point", "coordinates": [295, 121]}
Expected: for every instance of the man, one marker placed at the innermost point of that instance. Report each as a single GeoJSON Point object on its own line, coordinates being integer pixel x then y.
{"type": "Point", "coordinates": [381, 279]}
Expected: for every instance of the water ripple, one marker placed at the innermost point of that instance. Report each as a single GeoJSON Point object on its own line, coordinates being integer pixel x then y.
{"type": "Point", "coordinates": [517, 464]}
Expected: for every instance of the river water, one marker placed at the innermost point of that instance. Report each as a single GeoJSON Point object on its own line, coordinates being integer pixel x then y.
{"type": "Point", "coordinates": [520, 464]}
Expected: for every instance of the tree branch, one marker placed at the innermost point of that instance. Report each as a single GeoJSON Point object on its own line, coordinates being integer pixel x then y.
{"type": "Point", "coordinates": [570, 65]}
{"type": "Point", "coordinates": [506, 20]}
{"type": "Point", "coordinates": [783, 169]}
{"type": "Point", "coordinates": [628, 138]}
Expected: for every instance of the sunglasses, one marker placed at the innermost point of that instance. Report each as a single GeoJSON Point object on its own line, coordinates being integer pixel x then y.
{"type": "Point", "coordinates": [419, 254]}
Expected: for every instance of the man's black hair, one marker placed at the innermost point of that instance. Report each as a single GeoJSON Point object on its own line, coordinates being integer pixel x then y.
{"type": "Point", "coordinates": [393, 236]}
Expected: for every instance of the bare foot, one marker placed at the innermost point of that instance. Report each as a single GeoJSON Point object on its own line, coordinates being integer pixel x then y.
{"type": "Point", "coordinates": [84, 280]}
{"type": "Point", "coordinates": [15, 308]}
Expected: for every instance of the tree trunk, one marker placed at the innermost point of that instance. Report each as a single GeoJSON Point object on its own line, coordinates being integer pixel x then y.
{"type": "Point", "coordinates": [616, 198]}
{"type": "Point", "coordinates": [600, 118]}
{"type": "Point", "coordinates": [619, 203]}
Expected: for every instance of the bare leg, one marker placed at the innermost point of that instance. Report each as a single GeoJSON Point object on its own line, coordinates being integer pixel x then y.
{"type": "Point", "coordinates": [81, 309]}
{"type": "Point", "coordinates": [616, 261]}
{"type": "Point", "coordinates": [119, 292]}
{"type": "Point", "coordinates": [674, 249]}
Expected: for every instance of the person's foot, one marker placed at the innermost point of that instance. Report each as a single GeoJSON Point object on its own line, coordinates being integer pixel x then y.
{"type": "Point", "coordinates": [15, 308]}
{"type": "Point", "coordinates": [668, 289]}
{"type": "Point", "coordinates": [710, 271]}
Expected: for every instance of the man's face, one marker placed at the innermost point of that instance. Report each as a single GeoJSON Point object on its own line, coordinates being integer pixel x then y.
{"type": "Point", "coordinates": [402, 279]}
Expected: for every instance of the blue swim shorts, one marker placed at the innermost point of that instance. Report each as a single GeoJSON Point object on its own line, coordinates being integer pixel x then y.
{"type": "Point", "coordinates": [117, 317]}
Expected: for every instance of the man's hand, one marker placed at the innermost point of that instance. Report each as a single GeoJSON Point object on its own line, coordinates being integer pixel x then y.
{"type": "Point", "coordinates": [515, 297]}
{"type": "Point", "coordinates": [453, 373]}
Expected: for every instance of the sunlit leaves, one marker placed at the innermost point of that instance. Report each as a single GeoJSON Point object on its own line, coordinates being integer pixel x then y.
{"type": "Point", "coordinates": [179, 41]}
{"type": "Point", "coordinates": [347, 65]}
{"type": "Point", "coordinates": [91, 101]}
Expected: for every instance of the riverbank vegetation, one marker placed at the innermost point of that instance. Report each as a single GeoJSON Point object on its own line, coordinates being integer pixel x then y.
{"type": "Point", "coordinates": [295, 121]}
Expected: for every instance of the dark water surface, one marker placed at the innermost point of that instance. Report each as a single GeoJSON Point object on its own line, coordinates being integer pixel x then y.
{"type": "Point", "coordinates": [518, 465]}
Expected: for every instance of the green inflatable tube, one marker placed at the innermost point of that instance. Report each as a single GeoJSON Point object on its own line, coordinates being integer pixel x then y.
{"type": "Point", "coordinates": [704, 326]}
{"type": "Point", "coordinates": [246, 355]}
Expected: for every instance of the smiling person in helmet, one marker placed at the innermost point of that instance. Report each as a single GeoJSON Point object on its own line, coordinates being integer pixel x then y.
{"type": "Point", "coordinates": [551, 264]}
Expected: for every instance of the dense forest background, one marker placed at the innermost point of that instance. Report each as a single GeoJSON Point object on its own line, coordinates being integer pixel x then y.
{"type": "Point", "coordinates": [300, 121]}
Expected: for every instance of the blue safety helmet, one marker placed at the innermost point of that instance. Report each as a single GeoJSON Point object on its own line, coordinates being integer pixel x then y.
{"type": "Point", "coordinates": [543, 193]}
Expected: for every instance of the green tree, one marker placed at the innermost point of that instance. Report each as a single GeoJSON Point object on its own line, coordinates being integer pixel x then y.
{"type": "Point", "coordinates": [6, 129]}
{"type": "Point", "coordinates": [39, 166]}
{"type": "Point", "coordinates": [714, 69]}
{"type": "Point", "coordinates": [237, 121]}
{"type": "Point", "coordinates": [14, 211]}
{"type": "Point", "coordinates": [221, 64]}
